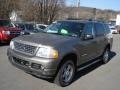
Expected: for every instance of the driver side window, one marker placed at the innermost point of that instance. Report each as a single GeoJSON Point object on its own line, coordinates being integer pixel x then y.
{"type": "Point", "coordinates": [88, 32]}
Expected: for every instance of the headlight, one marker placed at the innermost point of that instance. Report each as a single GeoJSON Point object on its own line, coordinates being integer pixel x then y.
{"type": "Point", "coordinates": [6, 32]}
{"type": "Point", "coordinates": [12, 45]}
{"type": "Point", "coordinates": [22, 33]}
{"type": "Point", "coordinates": [47, 52]}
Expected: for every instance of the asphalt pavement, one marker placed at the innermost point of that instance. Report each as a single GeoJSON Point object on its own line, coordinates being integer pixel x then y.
{"type": "Point", "coordinates": [96, 77]}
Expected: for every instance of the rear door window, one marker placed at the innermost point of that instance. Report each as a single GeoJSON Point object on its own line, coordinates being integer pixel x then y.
{"type": "Point", "coordinates": [99, 29]}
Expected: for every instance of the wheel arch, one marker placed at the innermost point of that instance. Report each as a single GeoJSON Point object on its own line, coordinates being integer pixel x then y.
{"type": "Point", "coordinates": [108, 46]}
{"type": "Point", "coordinates": [69, 56]}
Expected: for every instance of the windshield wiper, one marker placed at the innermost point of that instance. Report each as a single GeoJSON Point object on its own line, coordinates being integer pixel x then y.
{"type": "Point", "coordinates": [72, 35]}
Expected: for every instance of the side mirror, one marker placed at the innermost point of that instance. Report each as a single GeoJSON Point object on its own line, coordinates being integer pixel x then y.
{"type": "Point", "coordinates": [87, 37]}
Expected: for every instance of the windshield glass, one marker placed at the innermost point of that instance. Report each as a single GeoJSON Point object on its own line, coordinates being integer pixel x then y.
{"type": "Point", "coordinates": [29, 26]}
{"type": "Point", "coordinates": [6, 23]}
{"type": "Point", "coordinates": [65, 28]}
{"type": "Point", "coordinates": [21, 26]}
{"type": "Point", "coordinates": [41, 27]}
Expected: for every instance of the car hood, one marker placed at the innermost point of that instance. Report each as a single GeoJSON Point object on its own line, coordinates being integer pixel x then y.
{"type": "Point", "coordinates": [45, 39]}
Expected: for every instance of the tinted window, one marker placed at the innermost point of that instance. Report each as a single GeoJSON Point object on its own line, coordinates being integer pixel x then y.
{"type": "Point", "coordinates": [107, 29]}
{"type": "Point", "coordinates": [29, 26]}
{"type": "Point", "coordinates": [89, 29]}
{"type": "Point", "coordinates": [99, 29]}
{"type": "Point", "coordinates": [5, 23]}
{"type": "Point", "coordinates": [42, 27]}
{"type": "Point", "coordinates": [72, 28]}
{"type": "Point", "coordinates": [21, 26]}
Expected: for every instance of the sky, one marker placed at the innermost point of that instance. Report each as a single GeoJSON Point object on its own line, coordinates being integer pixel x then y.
{"type": "Point", "coordinates": [101, 4]}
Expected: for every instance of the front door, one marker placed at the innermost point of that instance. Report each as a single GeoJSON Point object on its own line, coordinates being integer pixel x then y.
{"type": "Point", "coordinates": [88, 44]}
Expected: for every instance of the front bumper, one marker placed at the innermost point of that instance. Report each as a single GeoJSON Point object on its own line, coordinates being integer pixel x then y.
{"type": "Point", "coordinates": [44, 68]}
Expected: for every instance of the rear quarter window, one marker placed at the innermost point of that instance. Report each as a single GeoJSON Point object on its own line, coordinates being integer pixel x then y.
{"type": "Point", "coordinates": [107, 29]}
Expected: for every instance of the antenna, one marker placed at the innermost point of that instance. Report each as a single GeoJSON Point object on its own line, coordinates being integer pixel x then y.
{"type": "Point", "coordinates": [78, 3]}
{"type": "Point", "coordinates": [78, 6]}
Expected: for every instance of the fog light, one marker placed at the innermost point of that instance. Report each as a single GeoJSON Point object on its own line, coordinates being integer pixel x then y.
{"type": "Point", "coordinates": [37, 66]}
{"type": "Point", "coordinates": [42, 67]}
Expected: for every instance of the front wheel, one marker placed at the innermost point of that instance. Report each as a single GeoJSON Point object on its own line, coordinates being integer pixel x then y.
{"type": "Point", "coordinates": [65, 74]}
{"type": "Point", "coordinates": [106, 56]}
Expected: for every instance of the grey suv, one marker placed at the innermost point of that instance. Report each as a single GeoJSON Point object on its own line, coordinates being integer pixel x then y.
{"type": "Point", "coordinates": [62, 49]}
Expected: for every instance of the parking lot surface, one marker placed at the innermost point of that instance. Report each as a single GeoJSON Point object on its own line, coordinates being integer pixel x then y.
{"type": "Point", "coordinates": [96, 77]}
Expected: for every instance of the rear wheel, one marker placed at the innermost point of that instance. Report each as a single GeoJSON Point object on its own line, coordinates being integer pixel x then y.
{"type": "Point", "coordinates": [65, 74]}
{"type": "Point", "coordinates": [106, 56]}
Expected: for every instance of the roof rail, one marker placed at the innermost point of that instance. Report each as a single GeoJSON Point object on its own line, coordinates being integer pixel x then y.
{"type": "Point", "coordinates": [75, 19]}
{"type": "Point", "coordinates": [80, 19]}
{"type": "Point", "coordinates": [98, 20]}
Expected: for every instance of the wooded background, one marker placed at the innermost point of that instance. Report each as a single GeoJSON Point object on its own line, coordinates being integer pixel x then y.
{"type": "Point", "coordinates": [47, 11]}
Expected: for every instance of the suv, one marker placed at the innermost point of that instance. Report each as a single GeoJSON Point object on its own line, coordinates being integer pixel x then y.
{"type": "Point", "coordinates": [27, 28]}
{"type": "Point", "coordinates": [7, 31]}
{"type": "Point", "coordinates": [63, 48]}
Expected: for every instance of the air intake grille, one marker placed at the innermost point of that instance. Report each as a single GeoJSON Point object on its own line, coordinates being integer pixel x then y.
{"type": "Point", "coordinates": [29, 49]}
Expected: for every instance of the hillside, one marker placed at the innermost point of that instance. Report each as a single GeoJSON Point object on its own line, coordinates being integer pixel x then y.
{"type": "Point", "coordinates": [87, 13]}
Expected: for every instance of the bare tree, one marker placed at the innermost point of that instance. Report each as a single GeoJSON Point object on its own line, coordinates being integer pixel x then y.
{"type": "Point", "coordinates": [44, 11]}
{"type": "Point", "coordinates": [6, 7]}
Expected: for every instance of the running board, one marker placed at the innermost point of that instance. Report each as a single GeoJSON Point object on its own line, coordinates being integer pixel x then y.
{"type": "Point", "coordinates": [81, 68]}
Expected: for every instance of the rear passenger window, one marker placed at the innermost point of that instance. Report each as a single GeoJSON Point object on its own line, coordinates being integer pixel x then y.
{"type": "Point", "coordinates": [99, 29]}
{"type": "Point", "coordinates": [89, 29]}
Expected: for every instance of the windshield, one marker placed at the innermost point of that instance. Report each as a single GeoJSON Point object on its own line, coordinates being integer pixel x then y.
{"type": "Point", "coordinates": [29, 26]}
{"type": "Point", "coordinates": [65, 28]}
{"type": "Point", "coordinates": [6, 23]}
{"type": "Point", "coordinates": [41, 27]}
{"type": "Point", "coordinates": [21, 26]}
{"type": "Point", "coordinates": [113, 28]}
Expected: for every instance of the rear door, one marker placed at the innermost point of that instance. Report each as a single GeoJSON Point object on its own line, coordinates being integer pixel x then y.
{"type": "Point", "coordinates": [100, 37]}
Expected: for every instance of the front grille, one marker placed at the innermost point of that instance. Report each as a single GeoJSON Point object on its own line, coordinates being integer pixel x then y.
{"type": "Point", "coordinates": [14, 33]}
{"type": "Point", "coordinates": [24, 48]}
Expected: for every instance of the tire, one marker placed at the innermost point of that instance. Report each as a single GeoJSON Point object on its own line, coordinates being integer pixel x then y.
{"type": "Point", "coordinates": [65, 74]}
{"type": "Point", "coordinates": [106, 56]}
